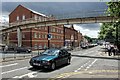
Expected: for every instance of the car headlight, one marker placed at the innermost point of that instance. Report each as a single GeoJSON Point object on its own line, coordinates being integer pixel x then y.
{"type": "Point", "coordinates": [29, 50]}
{"type": "Point", "coordinates": [45, 62]}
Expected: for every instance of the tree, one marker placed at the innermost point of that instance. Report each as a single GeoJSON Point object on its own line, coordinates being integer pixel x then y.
{"type": "Point", "coordinates": [112, 30]}
{"type": "Point", "coordinates": [88, 38]}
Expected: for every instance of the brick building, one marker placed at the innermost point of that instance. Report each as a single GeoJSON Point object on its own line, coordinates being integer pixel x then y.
{"type": "Point", "coordinates": [38, 37]}
{"type": "Point", "coordinates": [35, 37]}
{"type": "Point", "coordinates": [72, 37]}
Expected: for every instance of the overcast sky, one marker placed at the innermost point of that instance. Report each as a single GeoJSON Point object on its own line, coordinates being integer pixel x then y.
{"type": "Point", "coordinates": [60, 10]}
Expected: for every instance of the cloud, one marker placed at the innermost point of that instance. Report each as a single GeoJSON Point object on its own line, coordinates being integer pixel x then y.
{"type": "Point", "coordinates": [87, 31]}
{"type": "Point", "coordinates": [56, 8]}
{"type": "Point", "coordinates": [92, 26]}
{"type": "Point", "coordinates": [4, 19]}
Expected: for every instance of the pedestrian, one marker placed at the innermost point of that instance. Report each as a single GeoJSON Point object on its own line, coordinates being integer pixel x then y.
{"type": "Point", "coordinates": [109, 50]}
{"type": "Point", "coordinates": [113, 49]}
{"type": "Point", "coordinates": [116, 50]}
{"type": "Point", "coordinates": [5, 49]}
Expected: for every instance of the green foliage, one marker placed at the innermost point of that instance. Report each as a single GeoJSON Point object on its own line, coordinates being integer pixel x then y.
{"type": "Point", "coordinates": [108, 30]}
{"type": "Point", "coordinates": [114, 8]}
{"type": "Point", "coordinates": [88, 38]}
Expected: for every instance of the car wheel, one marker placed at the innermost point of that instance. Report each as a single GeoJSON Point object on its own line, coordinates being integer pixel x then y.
{"type": "Point", "coordinates": [68, 61]}
{"type": "Point", "coordinates": [53, 66]}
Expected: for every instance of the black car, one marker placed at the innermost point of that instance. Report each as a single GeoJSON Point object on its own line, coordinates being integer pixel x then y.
{"type": "Point", "coordinates": [23, 49]}
{"type": "Point", "coordinates": [51, 58]}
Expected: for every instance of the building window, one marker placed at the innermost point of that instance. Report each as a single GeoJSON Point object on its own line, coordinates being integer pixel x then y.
{"type": "Point", "coordinates": [53, 36]}
{"type": "Point", "coordinates": [45, 46]}
{"type": "Point", "coordinates": [39, 27]}
{"type": "Point", "coordinates": [45, 36]}
{"type": "Point", "coordinates": [42, 35]}
{"type": "Point", "coordinates": [45, 28]}
{"type": "Point", "coordinates": [61, 31]}
{"type": "Point", "coordinates": [35, 35]}
{"type": "Point", "coordinates": [56, 30]}
{"type": "Point", "coordinates": [17, 18]}
{"type": "Point", "coordinates": [39, 35]}
{"type": "Point", "coordinates": [53, 29]}
{"type": "Point", "coordinates": [39, 18]}
{"type": "Point", "coordinates": [35, 46]}
{"type": "Point", "coordinates": [23, 17]}
{"type": "Point", "coordinates": [35, 16]}
{"type": "Point", "coordinates": [40, 46]}
{"type": "Point", "coordinates": [45, 19]}
{"type": "Point", "coordinates": [23, 35]}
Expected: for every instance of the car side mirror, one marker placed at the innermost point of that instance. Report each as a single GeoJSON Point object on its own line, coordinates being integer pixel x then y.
{"type": "Point", "coordinates": [60, 54]}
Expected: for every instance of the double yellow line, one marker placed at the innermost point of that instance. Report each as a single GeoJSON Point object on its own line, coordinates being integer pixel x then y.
{"type": "Point", "coordinates": [67, 74]}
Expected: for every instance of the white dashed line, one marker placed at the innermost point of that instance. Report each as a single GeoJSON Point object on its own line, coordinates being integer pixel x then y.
{"type": "Point", "coordinates": [90, 65]}
{"type": "Point", "coordinates": [14, 70]}
{"type": "Point", "coordinates": [9, 65]}
{"type": "Point", "coordinates": [81, 67]}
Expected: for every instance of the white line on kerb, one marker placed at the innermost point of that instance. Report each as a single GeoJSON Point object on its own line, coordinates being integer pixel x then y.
{"type": "Point", "coordinates": [9, 65]}
{"type": "Point", "coordinates": [13, 70]}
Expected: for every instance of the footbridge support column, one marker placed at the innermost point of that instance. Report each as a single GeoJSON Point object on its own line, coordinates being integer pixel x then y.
{"type": "Point", "coordinates": [19, 36]}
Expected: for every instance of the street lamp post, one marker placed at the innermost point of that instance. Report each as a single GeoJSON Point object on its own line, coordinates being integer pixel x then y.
{"type": "Point", "coordinates": [116, 34]}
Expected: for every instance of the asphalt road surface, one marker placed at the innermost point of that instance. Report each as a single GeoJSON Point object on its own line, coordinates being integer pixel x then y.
{"type": "Point", "coordinates": [87, 63]}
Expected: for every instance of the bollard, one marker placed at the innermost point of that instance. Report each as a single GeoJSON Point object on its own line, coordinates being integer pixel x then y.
{"type": "Point", "coordinates": [14, 55]}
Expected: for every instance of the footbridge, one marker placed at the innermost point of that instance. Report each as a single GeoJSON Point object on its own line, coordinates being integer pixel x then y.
{"type": "Point", "coordinates": [36, 23]}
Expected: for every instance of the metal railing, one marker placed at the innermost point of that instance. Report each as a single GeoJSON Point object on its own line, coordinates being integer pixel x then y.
{"type": "Point", "coordinates": [13, 55]}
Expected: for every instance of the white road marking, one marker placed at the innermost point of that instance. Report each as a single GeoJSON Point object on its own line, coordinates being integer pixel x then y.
{"type": "Point", "coordinates": [81, 67]}
{"type": "Point", "coordinates": [14, 70]}
{"type": "Point", "coordinates": [90, 65]}
{"type": "Point", "coordinates": [30, 75]}
{"type": "Point", "coordinates": [9, 65]}
{"type": "Point", "coordinates": [90, 72]}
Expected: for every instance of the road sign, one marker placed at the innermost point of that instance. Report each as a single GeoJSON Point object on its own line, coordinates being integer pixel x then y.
{"type": "Point", "coordinates": [49, 36]}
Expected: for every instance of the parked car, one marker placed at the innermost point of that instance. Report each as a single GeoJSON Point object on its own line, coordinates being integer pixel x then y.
{"type": "Point", "coordinates": [23, 49]}
{"type": "Point", "coordinates": [68, 48]}
{"type": "Point", "coordinates": [84, 46]}
{"type": "Point", "coordinates": [51, 58]}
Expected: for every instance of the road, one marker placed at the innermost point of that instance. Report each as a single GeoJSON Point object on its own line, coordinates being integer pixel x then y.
{"type": "Point", "coordinates": [87, 63]}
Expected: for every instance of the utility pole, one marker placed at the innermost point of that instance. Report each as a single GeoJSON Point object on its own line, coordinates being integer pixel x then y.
{"type": "Point", "coordinates": [64, 34]}
{"type": "Point", "coordinates": [116, 33]}
{"type": "Point", "coordinates": [47, 36]}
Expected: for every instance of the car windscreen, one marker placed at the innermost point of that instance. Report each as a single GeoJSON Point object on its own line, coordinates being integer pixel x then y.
{"type": "Point", "coordinates": [51, 52]}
